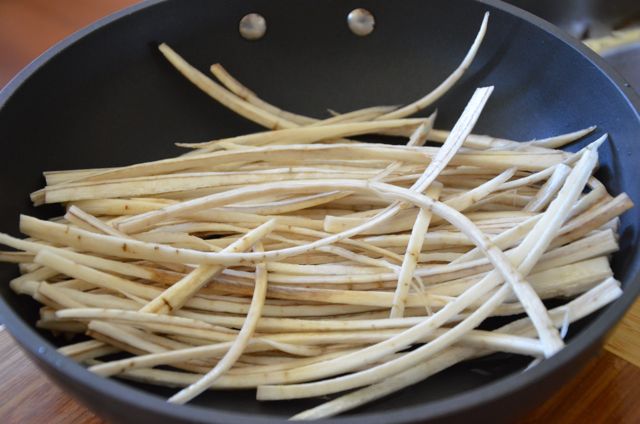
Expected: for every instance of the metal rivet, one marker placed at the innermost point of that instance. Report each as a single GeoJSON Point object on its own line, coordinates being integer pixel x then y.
{"type": "Point", "coordinates": [361, 22]}
{"type": "Point", "coordinates": [252, 26]}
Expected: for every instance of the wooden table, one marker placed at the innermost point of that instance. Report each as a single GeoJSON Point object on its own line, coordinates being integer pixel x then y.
{"type": "Point", "coordinates": [606, 391]}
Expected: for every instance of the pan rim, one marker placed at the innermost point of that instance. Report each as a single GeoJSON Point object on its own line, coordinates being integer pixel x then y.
{"type": "Point", "coordinates": [586, 340]}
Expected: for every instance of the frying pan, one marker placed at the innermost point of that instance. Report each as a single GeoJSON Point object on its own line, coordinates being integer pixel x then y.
{"type": "Point", "coordinates": [105, 97]}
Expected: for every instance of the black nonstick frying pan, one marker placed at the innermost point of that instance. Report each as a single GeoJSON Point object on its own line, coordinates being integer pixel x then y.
{"type": "Point", "coordinates": [106, 97]}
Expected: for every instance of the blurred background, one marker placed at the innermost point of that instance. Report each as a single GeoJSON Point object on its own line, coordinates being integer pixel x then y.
{"type": "Point", "coordinates": [29, 27]}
